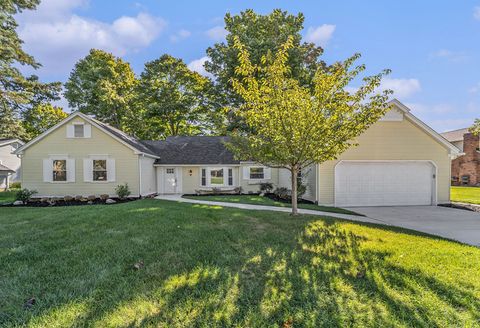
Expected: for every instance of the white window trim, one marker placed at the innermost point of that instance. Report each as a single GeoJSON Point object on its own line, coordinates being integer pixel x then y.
{"type": "Point", "coordinates": [256, 167]}
{"type": "Point", "coordinates": [208, 177]}
{"type": "Point", "coordinates": [93, 157]}
{"type": "Point", "coordinates": [76, 124]}
{"type": "Point", "coordinates": [60, 157]}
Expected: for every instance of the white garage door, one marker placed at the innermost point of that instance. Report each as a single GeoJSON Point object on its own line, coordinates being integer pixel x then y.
{"type": "Point", "coordinates": [384, 183]}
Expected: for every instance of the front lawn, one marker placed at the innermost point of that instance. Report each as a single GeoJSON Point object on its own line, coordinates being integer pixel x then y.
{"type": "Point", "coordinates": [212, 266]}
{"type": "Point", "coordinates": [259, 200]}
{"type": "Point", "coordinates": [465, 194]}
{"type": "Point", "coordinates": [7, 196]}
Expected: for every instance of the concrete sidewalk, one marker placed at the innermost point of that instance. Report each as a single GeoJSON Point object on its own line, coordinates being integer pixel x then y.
{"type": "Point", "coordinates": [178, 198]}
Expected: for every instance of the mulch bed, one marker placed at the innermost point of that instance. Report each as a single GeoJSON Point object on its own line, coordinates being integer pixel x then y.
{"type": "Point", "coordinates": [38, 203]}
{"type": "Point", "coordinates": [287, 201]}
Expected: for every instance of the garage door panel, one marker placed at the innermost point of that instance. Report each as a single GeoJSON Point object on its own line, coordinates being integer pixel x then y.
{"type": "Point", "coordinates": [383, 183]}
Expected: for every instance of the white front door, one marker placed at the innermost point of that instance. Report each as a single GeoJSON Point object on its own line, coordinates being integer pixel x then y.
{"type": "Point", "coordinates": [384, 183]}
{"type": "Point", "coordinates": [170, 181]}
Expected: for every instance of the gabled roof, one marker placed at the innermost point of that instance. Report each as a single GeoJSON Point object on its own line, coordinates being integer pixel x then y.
{"type": "Point", "coordinates": [193, 150]}
{"type": "Point", "coordinates": [3, 168]}
{"type": "Point", "coordinates": [118, 135]}
{"type": "Point", "coordinates": [455, 135]}
{"type": "Point", "coordinates": [434, 134]}
{"type": "Point", "coordinates": [4, 142]}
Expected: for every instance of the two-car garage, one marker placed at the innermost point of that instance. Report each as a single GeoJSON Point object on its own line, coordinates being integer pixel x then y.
{"type": "Point", "coordinates": [384, 183]}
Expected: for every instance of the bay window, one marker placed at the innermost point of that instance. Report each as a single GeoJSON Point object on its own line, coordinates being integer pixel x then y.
{"type": "Point", "coordinates": [216, 177]}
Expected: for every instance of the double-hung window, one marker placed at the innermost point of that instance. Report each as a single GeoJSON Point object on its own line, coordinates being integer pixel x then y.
{"type": "Point", "coordinates": [59, 170]}
{"type": "Point", "coordinates": [257, 173]}
{"type": "Point", "coordinates": [99, 170]}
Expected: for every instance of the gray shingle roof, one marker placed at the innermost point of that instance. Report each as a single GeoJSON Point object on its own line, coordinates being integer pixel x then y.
{"type": "Point", "coordinates": [135, 143]}
{"type": "Point", "coordinates": [192, 150]}
{"type": "Point", "coordinates": [455, 135]}
{"type": "Point", "coordinates": [3, 168]}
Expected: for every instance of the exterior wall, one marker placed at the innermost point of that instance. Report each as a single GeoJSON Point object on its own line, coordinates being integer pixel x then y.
{"type": "Point", "coordinates": [148, 178]}
{"type": "Point", "coordinates": [391, 140]}
{"type": "Point", "coordinates": [11, 161]}
{"type": "Point", "coordinates": [466, 168]}
{"type": "Point", "coordinates": [253, 186]}
{"type": "Point", "coordinates": [126, 163]}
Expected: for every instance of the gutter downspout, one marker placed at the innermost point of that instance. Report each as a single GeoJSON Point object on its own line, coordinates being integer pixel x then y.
{"type": "Point", "coordinates": [317, 183]}
{"type": "Point", "coordinates": [140, 175]}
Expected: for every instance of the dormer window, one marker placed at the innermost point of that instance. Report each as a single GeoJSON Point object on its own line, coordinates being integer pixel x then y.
{"type": "Point", "coordinates": [78, 131]}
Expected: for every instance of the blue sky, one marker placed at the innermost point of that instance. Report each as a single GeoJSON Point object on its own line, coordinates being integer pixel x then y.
{"type": "Point", "coordinates": [432, 47]}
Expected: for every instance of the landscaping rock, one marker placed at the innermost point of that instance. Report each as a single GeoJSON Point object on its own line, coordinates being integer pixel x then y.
{"type": "Point", "coordinates": [104, 196]}
{"type": "Point", "coordinates": [17, 202]}
{"type": "Point", "coordinates": [44, 199]}
{"type": "Point", "coordinates": [90, 202]}
{"type": "Point", "coordinates": [91, 198]}
{"type": "Point", "coordinates": [139, 265]}
{"type": "Point", "coordinates": [110, 201]}
{"type": "Point", "coordinates": [68, 198]}
{"type": "Point", "coordinates": [78, 198]}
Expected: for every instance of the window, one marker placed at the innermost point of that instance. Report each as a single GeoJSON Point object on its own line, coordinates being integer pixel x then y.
{"type": "Point", "coordinates": [99, 170]}
{"type": "Point", "coordinates": [78, 130]}
{"type": "Point", "coordinates": [204, 177]}
{"type": "Point", "coordinates": [216, 177]}
{"type": "Point", "coordinates": [230, 177]}
{"type": "Point", "coordinates": [170, 171]}
{"type": "Point", "coordinates": [257, 173]}
{"type": "Point", "coordinates": [60, 170]}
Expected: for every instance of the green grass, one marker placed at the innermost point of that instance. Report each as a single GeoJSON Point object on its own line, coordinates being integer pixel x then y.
{"type": "Point", "coordinates": [259, 200]}
{"type": "Point", "coordinates": [7, 196]}
{"type": "Point", "coordinates": [212, 266]}
{"type": "Point", "coordinates": [465, 194]}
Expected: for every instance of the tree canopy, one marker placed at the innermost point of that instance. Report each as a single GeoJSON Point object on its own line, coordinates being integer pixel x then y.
{"type": "Point", "coordinates": [173, 100]}
{"type": "Point", "coordinates": [291, 125]}
{"type": "Point", "coordinates": [40, 118]}
{"type": "Point", "coordinates": [102, 85]}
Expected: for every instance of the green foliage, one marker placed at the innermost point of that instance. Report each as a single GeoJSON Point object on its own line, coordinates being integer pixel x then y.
{"type": "Point", "coordinates": [266, 187]}
{"type": "Point", "coordinates": [102, 85]}
{"type": "Point", "coordinates": [260, 35]}
{"type": "Point", "coordinates": [15, 185]}
{"type": "Point", "coordinates": [25, 194]}
{"type": "Point", "coordinates": [475, 128]}
{"type": "Point", "coordinates": [293, 126]}
{"type": "Point", "coordinates": [123, 191]}
{"type": "Point", "coordinates": [40, 118]}
{"type": "Point", "coordinates": [172, 100]}
{"type": "Point", "coordinates": [17, 92]}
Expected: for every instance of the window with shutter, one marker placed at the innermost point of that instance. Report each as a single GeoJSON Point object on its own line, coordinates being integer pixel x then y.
{"type": "Point", "coordinates": [78, 130]}
{"type": "Point", "coordinates": [59, 170]}
{"type": "Point", "coordinates": [99, 170]}
{"type": "Point", "coordinates": [230, 177]}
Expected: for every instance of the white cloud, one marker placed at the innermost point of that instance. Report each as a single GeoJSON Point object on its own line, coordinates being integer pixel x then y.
{"type": "Point", "coordinates": [475, 88]}
{"type": "Point", "coordinates": [320, 35]}
{"type": "Point", "coordinates": [453, 56]}
{"type": "Point", "coordinates": [217, 33]}
{"type": "Point", "coordinates": [402, 88]}
{"type": "Point", "coordinates": [444, 117]}
{"type": "Point", "coordinates": [476, 12]}
{"type": "Point", "coordinates": [197, 65]}
{"type": "Point", "coordinates": [437, 109]}
{"type": "Point", "coordinates": [180, 35]}
{"type": "Point", "coordinates": [58, 38]}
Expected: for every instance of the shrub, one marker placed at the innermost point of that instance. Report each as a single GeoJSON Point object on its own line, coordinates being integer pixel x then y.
{"type": "Point", "coordinates": [301, 190]}
{"type": "Point", "coordinates": [25, 194]}
{"type": "Point", "coordinates": [238, 190]}
{"type": "Point", "coordinates": [15, 185]}
{"type": "Point", "coordinates": [123, 191]}
{"type": "Point", "coordinates": [266, 187]}
{"type": "Point", "coordinates": [282, 193]}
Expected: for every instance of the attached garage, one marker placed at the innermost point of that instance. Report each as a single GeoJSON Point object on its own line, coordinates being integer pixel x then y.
{"type": "Point", "coordinates": [385, 183]}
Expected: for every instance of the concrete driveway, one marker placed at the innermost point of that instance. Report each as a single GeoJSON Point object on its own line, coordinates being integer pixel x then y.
{"type": "Point", "coordinates": [456, 224]}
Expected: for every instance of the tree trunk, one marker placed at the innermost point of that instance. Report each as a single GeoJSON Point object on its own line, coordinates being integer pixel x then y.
{"type": "Point", "coordinates": [294, 172]}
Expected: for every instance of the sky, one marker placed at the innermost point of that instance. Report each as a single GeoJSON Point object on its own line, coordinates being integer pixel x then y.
{"type": "Point", "coordinates": [432, 47]}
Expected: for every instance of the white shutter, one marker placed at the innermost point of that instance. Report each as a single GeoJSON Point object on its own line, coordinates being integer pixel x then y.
{"type": "Point", "coordinates": [70, 131]}
{"type": "Point", "coordinates": [111, 170]}
{"type": "Point", "coordinates": [47, 170]}
{"type": "Point", "coordinates": [87, 170]}
{"type": "Point", "coordinates": [267, 173]}
{"type": "Point", "coordinates": [246, 173]}
{"type": "Point", "coordinates": [87, 131]}
{"type": "Point", "coordinates": [71, 170]}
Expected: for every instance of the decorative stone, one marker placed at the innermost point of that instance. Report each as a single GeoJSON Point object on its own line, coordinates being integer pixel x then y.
{"type": "Point", "coordinates": [44, 199]}
{"type": "Point", "coordinates": [91, 198]}
{"type": "Point", "coordinates": [78, 197]}
{"type": "Point", "coordinates": [104, 196]}
{"type": "Point", "coordinates": [68, 198]}
{"type": "Point", "coordinates": [90, 202]}
{"type": "Point", "coordinates": [110, 201]}
{"type": "Point", "coordinates": [17, 202]}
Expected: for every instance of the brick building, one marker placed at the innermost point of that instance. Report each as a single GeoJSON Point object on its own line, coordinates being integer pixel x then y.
{"type": "Point", "coordinates": [466, 168]}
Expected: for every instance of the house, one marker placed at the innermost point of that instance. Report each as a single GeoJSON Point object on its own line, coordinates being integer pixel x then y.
{"type": "Point", "coordinates": [9, 162]}
{"type": "Point", "coordinates": [465, 168]}
{"type": "Point", "coordinates": [399, 161]}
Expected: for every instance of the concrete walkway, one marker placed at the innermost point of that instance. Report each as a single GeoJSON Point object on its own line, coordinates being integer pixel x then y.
{"type": "Point", "coordinates": [460, 225]}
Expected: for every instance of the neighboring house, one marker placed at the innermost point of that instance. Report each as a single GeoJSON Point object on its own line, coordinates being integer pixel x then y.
{"type": "Point", "coordinates": [399, 161]}
{"type": "Point", "coordinates": [9, 162]}
{"type": "Point", "coordinates": [465, 168]}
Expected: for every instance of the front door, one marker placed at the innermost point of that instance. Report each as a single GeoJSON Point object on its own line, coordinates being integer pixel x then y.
{"type": "Point", "coordinates": [170, 186]}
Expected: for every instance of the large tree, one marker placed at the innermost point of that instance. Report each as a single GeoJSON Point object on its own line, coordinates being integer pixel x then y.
{"type": "Point", "coordinates": [259, 34]}
{"type": "Point", "coordinates": [102, 85]}
{"type": "Point", "coordinates": [293, 126]}
{"type": "Point", "coordinates": [17, 92]}
{"type": "Point", "coordinates": [475, 128]}
{"type": "Point", "coordinates": [172, 99]}
{"type": "Point", "coordinates": [40, 118]}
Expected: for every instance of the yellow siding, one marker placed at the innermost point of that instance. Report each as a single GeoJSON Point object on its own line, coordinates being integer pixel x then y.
{"type": "Point", "coordinates": [100, 143]}
{"type": "Point", "coordinates": [390, 140]}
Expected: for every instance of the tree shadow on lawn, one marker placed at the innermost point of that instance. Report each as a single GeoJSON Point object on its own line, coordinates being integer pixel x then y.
{"type": "Point", "coordinates": [231, 267]}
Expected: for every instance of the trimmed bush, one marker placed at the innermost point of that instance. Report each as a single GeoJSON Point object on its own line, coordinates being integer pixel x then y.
{"type": "Point", "coordinates": [15, 185]}
{"type": "Point", "coordinates": [266, 187]}
{"type": "Point", "coordinates": [123, 191]}
{"type": "Point", "coordinates": [24, 195]}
